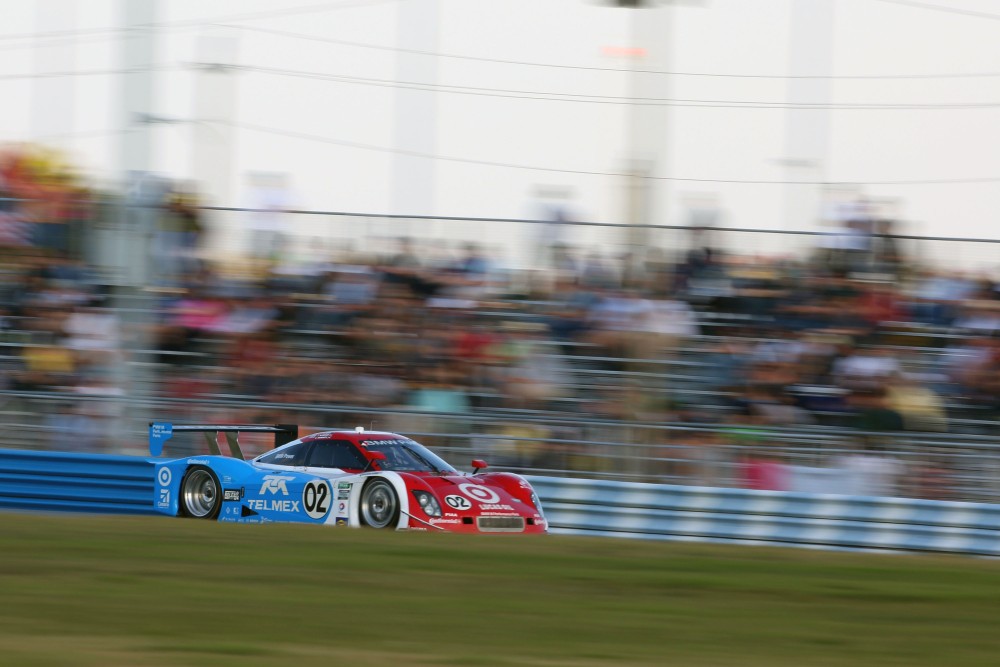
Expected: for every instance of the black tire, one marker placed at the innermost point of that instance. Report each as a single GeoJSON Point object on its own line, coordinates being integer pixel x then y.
{"type": "Point", "coordinates": [379, 504]}
{"type": "Point", "coordinates": [200, 494]}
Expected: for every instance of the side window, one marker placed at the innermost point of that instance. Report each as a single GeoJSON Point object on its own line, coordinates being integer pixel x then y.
{"type": "Point", "coordinates": [336, 454]}
{"type": "Point", "coordinates": [293, 455]}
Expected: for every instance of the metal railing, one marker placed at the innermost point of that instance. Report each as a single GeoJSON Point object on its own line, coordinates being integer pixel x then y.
{"type": "Point", "coordinates": [929, 465]}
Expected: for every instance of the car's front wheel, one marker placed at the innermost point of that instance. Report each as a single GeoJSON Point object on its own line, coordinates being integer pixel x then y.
{"type": "Point", "coordinates": [379, 504]}
{"type": "Point", "coordinates": [201, 496]}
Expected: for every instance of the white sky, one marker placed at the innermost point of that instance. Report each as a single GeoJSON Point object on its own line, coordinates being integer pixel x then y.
{"type": "Point", "coordinates": [871, 37]}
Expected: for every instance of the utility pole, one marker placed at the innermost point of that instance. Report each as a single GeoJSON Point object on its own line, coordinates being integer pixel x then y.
{"type": "Point", "coordinates": [130, 258]}
{"type": "Point", "coordinates": [646, 134]}
{"type": "Point", "coordinates": [127, 241]}
{"type": "Point", "coordinates": [807, 131]}
{"type": "Point", "coordinates": [52, 109]}
{"type": "Point", "coordinates": [213, 131]}
{"type": "Point", "coordinates": [415, 113]}
{"type": "Point", "coordinates": [215, 108]}
{"type": "Point", "coordinates": [647, 130]}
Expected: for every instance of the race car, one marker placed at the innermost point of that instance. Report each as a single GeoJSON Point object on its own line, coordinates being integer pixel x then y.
{"type": "Point", "coordinates": [339, 477]}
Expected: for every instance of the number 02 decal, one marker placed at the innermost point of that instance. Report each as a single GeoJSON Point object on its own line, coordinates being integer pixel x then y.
{"type": "Point", "coordinates": [458, 502]}
{"type": "Point", "coordinates": [316, 499]}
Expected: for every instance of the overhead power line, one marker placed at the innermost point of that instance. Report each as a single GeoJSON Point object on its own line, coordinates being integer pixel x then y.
{"type": "Point", "coordinates": [939, 8]}
{"type": "Point", "coordinates": [528, 63]}
{"type": "Point", "coordinates": [582, 223]}
{"type": "Point", "coordinates": [588, 98]}
{"type": "Point", "coordinates": [74, 41]}
{"type": "Point", "coordinates": [83, 134]}
{"type": "Point", "coordinates": [91, 72]}
{"type": "Point", "coordinates": [188, 23]}
{"type": "Point", "coordinates": [509, 165]}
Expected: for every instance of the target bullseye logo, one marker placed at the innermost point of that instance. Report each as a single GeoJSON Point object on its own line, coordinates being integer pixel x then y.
{"type": "Point", "coordinates": [481, 493]}
{"type": "Point", "coordinates": [163, 476]}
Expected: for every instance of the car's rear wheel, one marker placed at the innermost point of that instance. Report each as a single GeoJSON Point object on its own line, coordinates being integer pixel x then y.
{"type": "Point", "coordinates": [379, 504]}
{"type": "Point", "coordinates": [201, 496]}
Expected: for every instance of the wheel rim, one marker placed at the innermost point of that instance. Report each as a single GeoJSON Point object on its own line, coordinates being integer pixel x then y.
{"type": "Point", "coordinates": [200, 494]}
{"type": "Point", "coordinates": [379, 505]}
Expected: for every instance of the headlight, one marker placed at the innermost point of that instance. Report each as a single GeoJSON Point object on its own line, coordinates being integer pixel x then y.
{"type": "Point", "coordinates": [428, 503]}
{"type": "Point", "coordinates": [535, 501]}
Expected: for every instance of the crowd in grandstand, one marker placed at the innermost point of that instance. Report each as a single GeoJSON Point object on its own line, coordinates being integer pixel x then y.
{"type": "Point", "coordinates": [853, 337]}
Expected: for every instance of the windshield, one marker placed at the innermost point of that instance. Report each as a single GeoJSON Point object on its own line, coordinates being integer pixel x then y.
{"type": "Point", "coordinates": [405, 454]}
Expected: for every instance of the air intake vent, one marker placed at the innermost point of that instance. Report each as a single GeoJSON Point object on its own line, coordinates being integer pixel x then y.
{"type": "Point", "coordinates": [501, 524]}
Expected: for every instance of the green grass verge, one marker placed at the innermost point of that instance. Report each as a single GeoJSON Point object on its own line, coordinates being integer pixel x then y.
{"type": "Point", "coordinates": [151, 591]}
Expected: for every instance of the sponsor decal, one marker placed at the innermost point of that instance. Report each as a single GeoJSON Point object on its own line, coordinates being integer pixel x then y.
{"type": "Point", "coordinates": [343, 485]}
{"type": "Point", "coordinates": [495, 506]}
{"type": "Point", "coordinates": [401, 441]}
{"type": "Point", "coordinates": [164, 497]}
{"type": "Point", "coordinates": [275, 484]}
{"type": "Point", "coordinates": [437, 521]}
{"type": "Point", "coordinates": [158, 434]}
{"type": "Point", "coordinates": [272, 505]}
{"type": "Point", "coordinates": [343, 494]}
{"type": "Point", "coordinates": [341, 522]}
{"type": "Point", "coordinates": [316, 498]}
{"type": "Point", "coordinates": [458, 502]}
{"type": "Point", "coordinates": [163, 476]}
{"type": "Point", "coordinates": [198, 462]}
{"type": "Point", "coordinates": [226, 479]}
{"type": "Point", "coordinates": [481, 493]}
{"type": "Point", "coordinates": [342, 508]}
{"type": "Point", "coordinates": [232, 494]}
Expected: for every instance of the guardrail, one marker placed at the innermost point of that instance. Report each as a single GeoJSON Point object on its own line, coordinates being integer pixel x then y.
{"type": "Point", "coordinates": [702, 514]}
{"type": "Point", "coordinates": [96, 483]}
{"type": "Point", "coordinates": [71, 482]}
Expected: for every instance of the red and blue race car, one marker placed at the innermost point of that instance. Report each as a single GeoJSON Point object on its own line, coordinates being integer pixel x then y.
{"type": "Point", "coordinates": [340, 477]}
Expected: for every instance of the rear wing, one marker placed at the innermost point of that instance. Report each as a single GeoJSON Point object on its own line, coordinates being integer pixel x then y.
{"type": "Point", "coordinates": [160, 432]}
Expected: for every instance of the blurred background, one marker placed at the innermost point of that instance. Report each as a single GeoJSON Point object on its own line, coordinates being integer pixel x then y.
{"type": "Point", "coordinates": [702, 242]}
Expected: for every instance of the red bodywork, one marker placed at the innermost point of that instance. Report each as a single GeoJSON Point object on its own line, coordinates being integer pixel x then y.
{"type": "Point", "coordinates": [481, 503]}
{"type": "Point", "coordinates": [498, 502]}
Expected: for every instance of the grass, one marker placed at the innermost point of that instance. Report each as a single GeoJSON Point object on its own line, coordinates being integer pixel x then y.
{"type": "Point", "coordinates": [151, 591]}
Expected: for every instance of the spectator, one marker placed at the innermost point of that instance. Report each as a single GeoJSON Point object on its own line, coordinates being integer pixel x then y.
{"type": "Point", "coordinates": [918, 405]}
{"type": "Point", "coordinates": [868, 471]}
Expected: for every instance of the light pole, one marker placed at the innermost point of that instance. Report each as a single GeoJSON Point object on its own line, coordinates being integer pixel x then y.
{"type": "Point", "coordinates": [646, 131]}
{"type": "Point", "coordinates": [415, 111]}
{"type": "Point", "coordinates": [213, 133]}
{"type": "Point", "coordinates": [53, 108]}
{"type": "Point", "coordinates": [807, 130]}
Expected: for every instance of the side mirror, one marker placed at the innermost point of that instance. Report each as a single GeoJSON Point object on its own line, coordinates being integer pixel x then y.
{"type": "Point", "coordinates": [478, 464]}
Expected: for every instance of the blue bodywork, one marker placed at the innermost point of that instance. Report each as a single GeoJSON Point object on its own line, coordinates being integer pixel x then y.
{"type": "Point", "coordinates": [254, 495]}
{"type": "Point", "coordinates": [251, 493]}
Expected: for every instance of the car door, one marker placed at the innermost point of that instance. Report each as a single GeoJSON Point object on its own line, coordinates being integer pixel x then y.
{"type": "Point", "coordinates": [335, 462]}
{"type": "Point", "coordinates": [282, 484]}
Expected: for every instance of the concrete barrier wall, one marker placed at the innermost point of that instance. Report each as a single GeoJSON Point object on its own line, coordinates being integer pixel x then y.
{"type": "Point", "coordinates": [656, 511]}
{"type": "Point", "coordinates": [94, 483]}
{"type": "Point", "coordinates": [67, 482]}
